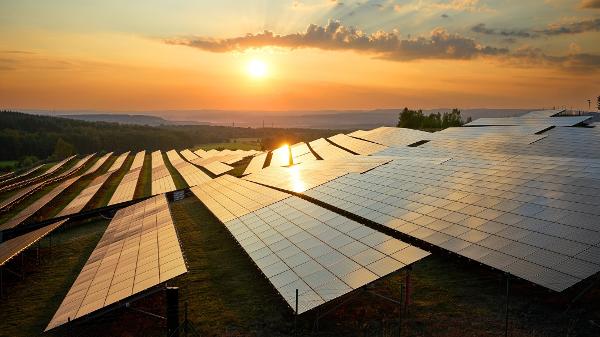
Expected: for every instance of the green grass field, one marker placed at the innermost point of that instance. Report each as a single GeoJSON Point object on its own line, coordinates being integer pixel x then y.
{"type": "Point", "coordinates": [144, 184]}
{"type": "Point", "coordinates": [228, 296]}
{"type": "Point", "coordinates": [177, 178]}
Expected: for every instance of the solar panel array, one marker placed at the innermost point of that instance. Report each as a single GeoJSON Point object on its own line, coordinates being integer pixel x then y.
{"type": "Point", "coordinates": [10, 177]}
{"type": "Point", "coordinates": [162, 181]}
{"type": "Point", "coordinates": [217, 168]}
{"type": "Point", "coordinates": [190, 173]}
{"type": "Point", "coordinates": [328, 151]}
{"type": "Point", "coordinates": [31, 209]}
{"type": "Point", "coordinates": [519, 216]}
{"type": "Point", "coordinates": [23, 193]}
{"type": "Point", "coordinates": [138, 251]}
{"type": "Point", "coordinates": [299, 245]}
{"type": "Point", "coordinates": [118, 163]}
{"type": "Point", "coordinates": [544, 113]}
{"type": "Point", "coordinates": [37, 178]}
{"type": "Point", "coordinates": [526, 121]}
{"type": "Point", "coordinates": [256, 164]}
{"type": "Point", "coordinates": [126, 189]}
{"type": "Point", "coordinates": [84, 197]}
{"type": "Point", "coordinates": [13, 247]}
{"type": "Point", "coordinates": [356, 145]}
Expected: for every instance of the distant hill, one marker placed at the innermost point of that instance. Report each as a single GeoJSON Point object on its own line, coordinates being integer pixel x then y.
{"type": "Point", "coordinates": [128, 119]}
{"type": "Point", "coordinates": [324, 119]}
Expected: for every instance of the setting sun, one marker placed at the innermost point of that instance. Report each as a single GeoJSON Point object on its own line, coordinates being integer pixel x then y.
{"type": "Point", "coordinates": [257, 68]}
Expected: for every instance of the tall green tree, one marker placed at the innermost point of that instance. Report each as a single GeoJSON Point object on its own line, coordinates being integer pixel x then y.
{"type": "Point", "coordinates": [63, 149]}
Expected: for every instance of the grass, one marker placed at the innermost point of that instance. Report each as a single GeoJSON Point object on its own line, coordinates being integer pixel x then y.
{"type": "Point", "coordinates": [144, 184]}
{"type": "Point", "coordinates": [8, 165]}
{"type": "Point", "coordinates": [177, 178]}
{"type": "Point", "coordinates": [229, 146]}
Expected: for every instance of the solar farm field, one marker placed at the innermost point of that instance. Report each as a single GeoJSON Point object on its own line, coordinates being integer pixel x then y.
{"type": "Point", "coordinates": [472, 231]}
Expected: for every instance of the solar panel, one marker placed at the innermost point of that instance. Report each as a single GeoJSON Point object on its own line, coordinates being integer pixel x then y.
{"type": "Point", "coordinates": [392, 136]}
{"type": "Point", "coordinates": [543, 113]}
{"type": "Point", "coordinates": [299, 245]}
{"type": "Point", "coordinates": [126, 189]}
{"type": "Point", "coordinates": [327, 151]}
{"type": "Point", "coordinates": [229, 197]}
{"type": "Point", "coordinates": [190, 173]}
{"type": "Point", "coordinates": [13, 247]}
{"type": "Point", "coordinates": [217, 168]}
{"type": "Point", "coordinates": [138, 251]}
{"type": "Point", "coordinates": [520, 218]}
{"type": "Point", "coordinates": [118, 163]}
{"type": "Point", "coordinates": [256, 164]}
{"type": "Point", "coordinates": [162, 181]}
{"type": "Point", "coordinates": [356, 145]}
{"type": "Point", "coordinates": [189, 155]}
{"type": "Point", "coordinates": [301, 153]}
{"type": "Point", "coordinates": [280, 156]}
{"type": "Point", "coordinates": [306, 175]}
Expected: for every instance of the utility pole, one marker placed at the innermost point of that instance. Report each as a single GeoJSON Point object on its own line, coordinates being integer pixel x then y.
{"type": "Point", "coordinates": [589, 104]}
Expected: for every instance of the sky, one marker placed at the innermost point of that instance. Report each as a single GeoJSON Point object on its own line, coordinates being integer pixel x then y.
{"type": "Point", "coordinates": [298, 54]}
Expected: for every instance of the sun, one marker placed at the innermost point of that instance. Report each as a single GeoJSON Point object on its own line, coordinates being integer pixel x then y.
{"type": "Point", "coordinates": [257, 69]}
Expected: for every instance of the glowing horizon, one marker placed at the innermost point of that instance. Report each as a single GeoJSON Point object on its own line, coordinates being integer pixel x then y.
{"type": "Point", "coordinates": [298, 55]}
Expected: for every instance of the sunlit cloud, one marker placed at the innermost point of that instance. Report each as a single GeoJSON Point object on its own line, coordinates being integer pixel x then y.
{"type": "Point", "coordinates": [439, 44]}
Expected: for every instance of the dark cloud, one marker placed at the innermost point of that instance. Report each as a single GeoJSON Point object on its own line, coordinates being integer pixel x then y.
{"type": "Point", "coordinates": [590, 4]}
{"type": "Point", "coordinates": [444, 16]}
{"type": "Point", "coordinates": [481, 28]}
{"type": "Point", "coordinates": [572, 28]}
{"type": "Point", "coordinates": [552, 30]}
{"type": "Point", "coordinates": [572, 61]}
{"type": "Point", "coordinates": [334, 36]}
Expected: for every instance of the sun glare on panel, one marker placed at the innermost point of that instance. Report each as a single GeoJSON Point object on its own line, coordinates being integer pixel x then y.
{"type": "Point", "coordinates": [257, 69]}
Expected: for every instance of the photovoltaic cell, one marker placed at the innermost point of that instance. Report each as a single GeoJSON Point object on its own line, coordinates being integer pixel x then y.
{"type": "Point", "coordinates": [13, 247]}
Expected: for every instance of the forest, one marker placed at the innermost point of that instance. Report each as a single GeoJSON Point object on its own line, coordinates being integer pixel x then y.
{"type": "Point", "coordinates": [26, 137]}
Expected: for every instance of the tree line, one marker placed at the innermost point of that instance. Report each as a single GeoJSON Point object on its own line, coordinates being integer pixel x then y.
{"type": "Point", "coordinates": [416, 119]}
{"type": "Point", "coordinates": [40, 137]}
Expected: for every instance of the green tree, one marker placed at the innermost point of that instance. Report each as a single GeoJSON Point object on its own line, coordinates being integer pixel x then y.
{"type": "Point", "coordinates": [62, 149]}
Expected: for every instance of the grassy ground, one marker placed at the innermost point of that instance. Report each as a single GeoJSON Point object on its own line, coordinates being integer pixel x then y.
{"type": "Point", "coordinates": [144, 184]}
{"type": "Point", "coordinates": [177, 178]}
{"type": "Point", "coordinates": [229, 146]}
{"type": "Point", "coordinates": [8, 165]}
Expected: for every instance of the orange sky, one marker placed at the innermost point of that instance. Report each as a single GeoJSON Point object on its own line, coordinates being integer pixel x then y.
{"type": "Point", "coordinates": [51, 62]}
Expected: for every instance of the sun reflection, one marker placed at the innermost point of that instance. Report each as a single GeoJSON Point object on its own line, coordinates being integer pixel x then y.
{"type": "Point", "coordinates": [298, 184]}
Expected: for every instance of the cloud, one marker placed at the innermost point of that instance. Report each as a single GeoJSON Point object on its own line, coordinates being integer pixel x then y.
{"type": "Point", "coordinates": [590, 4]}
{"type": "Point", "coordinates": [481, 28]}
{"type": "Point", "coordinates": [334, 36]}
{"type": "Point", "coordinates": [572, 28]}
{"type": "Point", "coordinates": [552, 29]}
{"type": "Point", "coordinates": [574, 61]}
